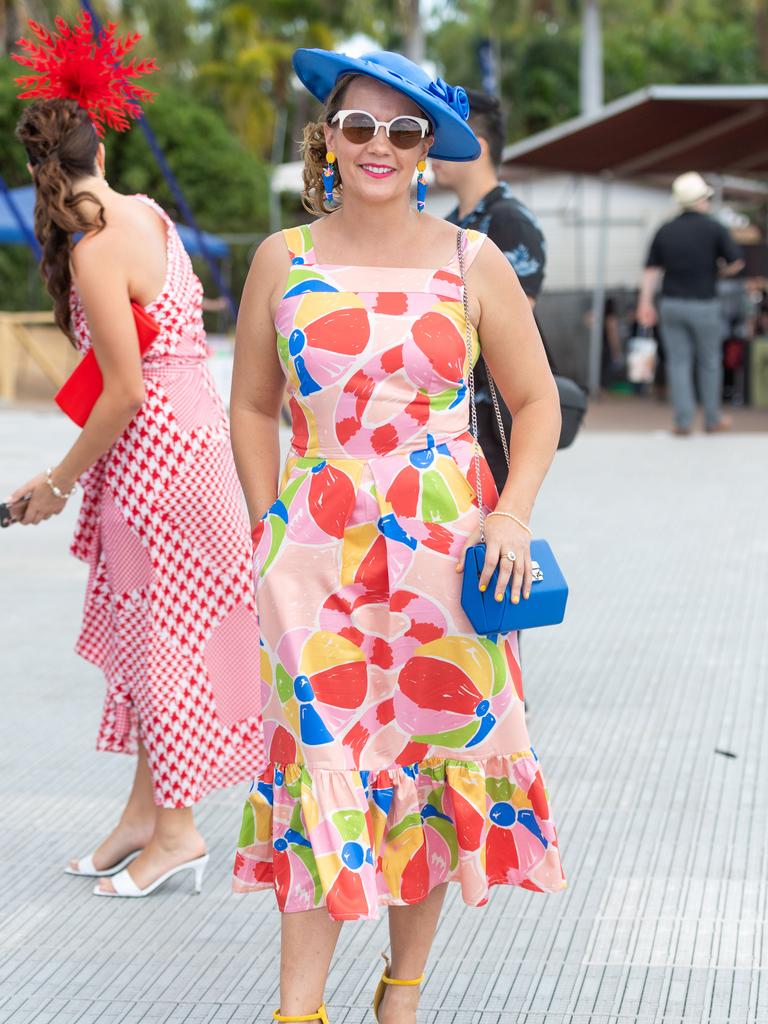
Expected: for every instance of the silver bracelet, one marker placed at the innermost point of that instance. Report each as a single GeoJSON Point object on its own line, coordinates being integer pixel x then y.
{"type": "Point", "coordinates": [57, 491]}
{"type": "Point", "coordinates": [511, 515]}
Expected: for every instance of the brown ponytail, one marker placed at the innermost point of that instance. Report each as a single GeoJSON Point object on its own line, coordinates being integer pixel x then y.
{"type": "Point", "coordinates": [314, 148]}
{"type": "Point", "coordinates": [61, 145]}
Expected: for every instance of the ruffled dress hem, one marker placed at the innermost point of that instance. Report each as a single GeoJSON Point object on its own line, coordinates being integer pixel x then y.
{"type": "Point", "coordinates": [355, 841]}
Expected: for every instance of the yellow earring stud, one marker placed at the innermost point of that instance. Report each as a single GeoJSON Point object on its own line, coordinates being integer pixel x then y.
{"type": "Point", "coordinates": [330, 156]}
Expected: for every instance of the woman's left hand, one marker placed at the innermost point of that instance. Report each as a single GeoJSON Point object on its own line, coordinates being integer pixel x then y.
{"type": "Point", "coordinates": [42, 503]}
{"type": "Point", "coordinates": [503, 537]}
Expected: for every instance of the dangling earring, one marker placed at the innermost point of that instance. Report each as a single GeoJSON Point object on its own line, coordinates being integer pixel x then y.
{"type": "Point", "coordinates": [329, 175]}
{"type": "Point", "coordinates": [421, 186]}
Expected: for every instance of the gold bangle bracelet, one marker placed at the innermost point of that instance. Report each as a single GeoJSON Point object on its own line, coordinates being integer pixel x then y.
{"type": "Point", "coordinates": [511, 515]}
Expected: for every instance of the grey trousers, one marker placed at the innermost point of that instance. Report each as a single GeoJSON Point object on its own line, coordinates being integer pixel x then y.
{"type": "Point", "coordinates": [692, 332]}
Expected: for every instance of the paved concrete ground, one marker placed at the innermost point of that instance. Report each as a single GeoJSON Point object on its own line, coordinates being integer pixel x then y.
{"type": "Point", "coordinates": [659, 674]}
{"type": "Point", "coordinates": [647, 413]}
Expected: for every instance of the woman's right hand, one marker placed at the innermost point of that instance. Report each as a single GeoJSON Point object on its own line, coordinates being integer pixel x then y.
{"type": "Point", "coordinates": [646, 314]}
{"type": "Point", "coordinates": [42, 503]}
{"type": "Point", "coordinates": [502, 536]}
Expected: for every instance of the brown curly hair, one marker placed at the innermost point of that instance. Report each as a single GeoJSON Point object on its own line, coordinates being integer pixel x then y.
{"type": "Point", "coordinates": [61, 145]}
{"type": "Point", "coordinates": [314, 148]}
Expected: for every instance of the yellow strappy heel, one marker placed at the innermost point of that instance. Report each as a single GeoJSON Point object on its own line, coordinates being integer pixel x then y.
{"type": "Point", "coordinates": [386, 980]}
{"type": "Point", "coordinates": [321, 1015]}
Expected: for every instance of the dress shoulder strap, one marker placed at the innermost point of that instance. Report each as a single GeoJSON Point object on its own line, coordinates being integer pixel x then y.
{"type": "Point", "coordinates": [473, 242]}
{"type": "Point", "coordinates": [155, 206]}
{"type": "Point", "coordinates": [300, 244]}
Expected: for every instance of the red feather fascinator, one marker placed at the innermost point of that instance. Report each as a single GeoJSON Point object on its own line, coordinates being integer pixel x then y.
{"type": "Point", "coordinates": [74, 63]}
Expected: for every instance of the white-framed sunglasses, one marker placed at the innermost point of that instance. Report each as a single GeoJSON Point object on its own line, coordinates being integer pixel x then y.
{"type": "Point", "coordinates": [359, 126]}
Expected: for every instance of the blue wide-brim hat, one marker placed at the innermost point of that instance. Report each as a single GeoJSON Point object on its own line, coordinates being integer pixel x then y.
{"type": "Point", "coordinates": [446, 106]}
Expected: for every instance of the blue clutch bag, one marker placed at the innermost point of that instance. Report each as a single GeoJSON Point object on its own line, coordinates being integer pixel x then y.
{"type": "Point", "coordinates": [549, 592]}
{"type": "Point", "coordinates": [545, 606]}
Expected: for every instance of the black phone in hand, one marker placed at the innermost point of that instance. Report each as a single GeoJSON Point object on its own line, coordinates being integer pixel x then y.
{"type": "Point", "coordinates": [12, 511]}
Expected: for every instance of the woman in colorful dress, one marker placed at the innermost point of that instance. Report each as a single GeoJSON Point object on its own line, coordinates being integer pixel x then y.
{"type": "Point", "coordinates": [399, 756]}
{"type": "Point", "coordinates": [169, 611]}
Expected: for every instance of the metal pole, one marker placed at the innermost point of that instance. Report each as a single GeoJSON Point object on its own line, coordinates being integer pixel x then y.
{"type": "Point", "coordinates": [579, 222]}
{"type": "Point", "coordinates": [591, 58]}
{"type": "Point", "coordinates": [719, 188]}
{"type": "Point", "coordinates": [486, 58]}
{"type": "Point", "coordinates": [598, 292]}
{"type": "Point", "coordinates": [175, 188]}
{"type": "Point", "coordinates": [414, 33]}
{"type": "Point", "coordinates": [278, 146]}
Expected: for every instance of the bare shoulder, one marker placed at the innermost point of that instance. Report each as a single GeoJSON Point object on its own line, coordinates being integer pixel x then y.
{"type": "Point", "coordinates": [273, 251]}
{"type": "Point", "coordinates": [490, 260]}
{"type": "Point", "coordinates": [129, 228]}
{"type": "Point", "coordinates": [271, 261]}
{"type": "Point", "coordinates": [267, 274]}
{"type": "Point", "coordinates": [440, 232]}
{"type": "Point", "coordinates": [493, 282]}
{"type": "Point", "coordinates": [98, 250]}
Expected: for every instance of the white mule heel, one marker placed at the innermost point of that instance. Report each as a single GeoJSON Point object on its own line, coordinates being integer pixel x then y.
{"type": "Point", "coordinates": [125, 886]}
{"type": "Point", "coordinates": [85, 868]}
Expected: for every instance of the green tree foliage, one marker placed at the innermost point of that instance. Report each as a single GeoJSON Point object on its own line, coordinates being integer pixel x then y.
{"type": "Point", "coordinates": [12, 159]}
{"type": "Point", "coordinates": [698, 42]}
{"type": "Point", "coordinates": [225, 184]}
{"type": "Point", "coordinates": [246, 60]}
{"type": "Point", "coordinates": [226, 98]}
{"type": "Point", "coordinates": [20, 286]}
{"type": "Point", "coordinates": [654, 41]}
{"type": "Point", "coordinates": [170, 27]}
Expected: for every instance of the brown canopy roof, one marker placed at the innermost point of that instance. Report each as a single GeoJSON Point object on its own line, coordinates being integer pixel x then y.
{"type": "Point", "coordinates": [664, 129]}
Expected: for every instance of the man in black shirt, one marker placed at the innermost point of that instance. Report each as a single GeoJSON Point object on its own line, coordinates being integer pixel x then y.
{"type": "Point", "coordinates": [690, 251]}
{"type": "Point", "coordinates": [488, 205]}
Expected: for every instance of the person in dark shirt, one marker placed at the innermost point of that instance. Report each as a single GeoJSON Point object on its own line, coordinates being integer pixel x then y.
{"type": "Point", "coordinates": [690, 252]}
{"type": "Point", "coordinates": [488, 205]}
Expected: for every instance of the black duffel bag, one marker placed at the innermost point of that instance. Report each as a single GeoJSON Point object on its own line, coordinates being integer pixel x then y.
{"type": "Point", "coordinates": [573, 398]}
{"type": "Point", "coordinates": [573, 405]}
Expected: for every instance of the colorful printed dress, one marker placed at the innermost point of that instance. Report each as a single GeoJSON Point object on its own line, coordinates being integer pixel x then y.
{"type": "Point", "coordinates": [399, 755]}
{"type": "Point", "coordinates": [169, 612]}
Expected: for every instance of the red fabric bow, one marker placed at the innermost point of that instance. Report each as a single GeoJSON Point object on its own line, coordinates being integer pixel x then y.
{"type": "Point", "coordinates": [77, 395]}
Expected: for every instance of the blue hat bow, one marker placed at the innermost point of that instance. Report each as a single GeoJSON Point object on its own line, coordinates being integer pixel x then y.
{"type": "Point", "coordinates": [453, 95]}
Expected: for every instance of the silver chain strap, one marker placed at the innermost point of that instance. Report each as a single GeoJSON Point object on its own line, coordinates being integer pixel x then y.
{"type": "Point", "coordinates": [471, 384]}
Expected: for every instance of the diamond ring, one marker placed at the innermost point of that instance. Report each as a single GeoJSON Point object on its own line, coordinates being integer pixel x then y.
{"type": "Point", "coordinates": [511, 556]}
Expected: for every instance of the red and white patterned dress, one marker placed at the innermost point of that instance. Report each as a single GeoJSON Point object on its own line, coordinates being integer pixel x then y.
{"type": "Point", "coordinates": [169, 610]}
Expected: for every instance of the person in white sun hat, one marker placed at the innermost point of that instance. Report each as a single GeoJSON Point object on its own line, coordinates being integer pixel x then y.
{"type": "Point", "coordinates": [690, 252]}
